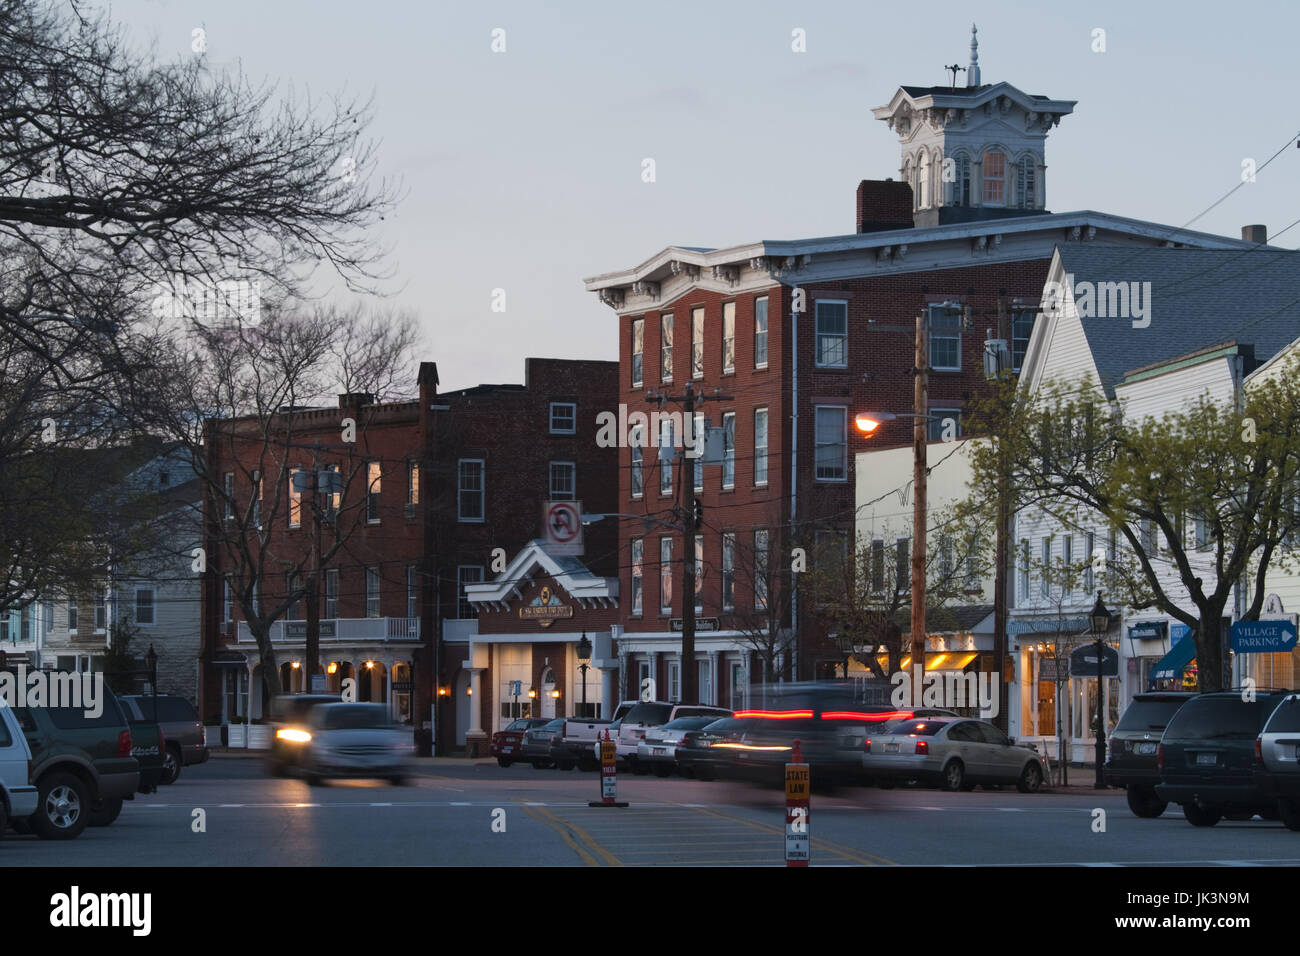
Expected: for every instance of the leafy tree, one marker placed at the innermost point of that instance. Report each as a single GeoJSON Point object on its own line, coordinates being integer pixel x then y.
{"type": "Point", "coordinates": [1200, 497]}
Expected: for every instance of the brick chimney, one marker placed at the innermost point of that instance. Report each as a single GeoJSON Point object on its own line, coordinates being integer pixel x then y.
{"type": "Point", "coordinates": [884, 204]}
{"type": "Point", "coordinates": [355, 399]}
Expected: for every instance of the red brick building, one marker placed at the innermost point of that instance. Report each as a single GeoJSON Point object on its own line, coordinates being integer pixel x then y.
{"type": "Point", "coordinates": [791, 332]}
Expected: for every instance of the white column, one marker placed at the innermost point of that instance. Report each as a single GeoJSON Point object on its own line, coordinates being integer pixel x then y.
{"type": "Point", "coordinates": [653, 658]}
{"type": "Point", "coordinates": [713, 678]}
{"type": "Point", "coordinates": [475, 707]}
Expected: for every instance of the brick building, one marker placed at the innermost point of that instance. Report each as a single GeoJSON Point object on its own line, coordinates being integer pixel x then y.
{"type": "Point", "coordinates": [790, 332]}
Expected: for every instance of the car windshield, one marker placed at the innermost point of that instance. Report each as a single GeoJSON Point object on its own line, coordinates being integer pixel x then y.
{"type": "Point", "coordinates": [1212, 718]}
{"type": "Point", "coordinates": [556, 724]}
{"type": "Point", "coordinates": [1286, 719]}
{"type": "Point", "coordinates": [1149, 714]}
{"type": "Point", "coordinates": [648, 714]}
{"type": "Point", "coordinates": [522, 724]}
{"type": "Point", "coordinates": [355, 717]}
{"type": "Point", "coordinates": [918, 728]}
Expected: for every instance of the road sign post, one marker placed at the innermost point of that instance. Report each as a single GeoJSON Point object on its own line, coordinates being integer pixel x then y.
{"type": "Point", "coordinates": [798, 790]}
{"type": "Point", "coordinates": [608, 775]}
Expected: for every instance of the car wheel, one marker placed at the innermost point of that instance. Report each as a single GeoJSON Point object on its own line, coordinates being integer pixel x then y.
{"type": "Point", "coordinates": [954, 776]}
{"type": "Point", "coordinates": [663, 769]}
{"type": "Point", "coordinates": [103, 812]}
{"type": "Point", "coordinates": [1031, 778]}
{"type": "Point", "coordinates": [171, 766]}
{"type": "Point", "coordinates": [538, 764]}
{"type": "Point", "coordinates": [503, 762]}
{"type": "Point", "coordinates": [1199, 816]}
{"type": "Point", "coordinates": [1289, 811]}
{"type": "Point", "coordinates": [61, 811]}
{"type": "Point", "coordinates": [565, 764]}
{"type": "Point", "coordinates": [1144, 802]}
{"type": "Point", "coordinates": [886, 783]}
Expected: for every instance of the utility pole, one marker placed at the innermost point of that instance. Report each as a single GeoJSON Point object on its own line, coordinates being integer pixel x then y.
{"type": "Point", "coordinates": [919, 469]}
{"type": "Point", "coordinates": [1000, 576]}
{"type": "Point", "coordinates": [689, 691]}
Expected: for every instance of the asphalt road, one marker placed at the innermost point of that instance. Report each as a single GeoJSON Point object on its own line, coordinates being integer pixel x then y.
{"type": "Point", "coordinates": [463, 813]}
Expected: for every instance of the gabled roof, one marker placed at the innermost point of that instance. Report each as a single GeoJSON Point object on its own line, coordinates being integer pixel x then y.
{"type": "Point", "coordinates": [1198, 298]}
{"type": "Point", "coordinates": [535, 560]}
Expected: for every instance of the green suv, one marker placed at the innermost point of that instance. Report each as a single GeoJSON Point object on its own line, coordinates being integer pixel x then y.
{"type": "Point", "coordinates": [1207, 757]}
{"type": "Point", "coordinates": [81, 766]}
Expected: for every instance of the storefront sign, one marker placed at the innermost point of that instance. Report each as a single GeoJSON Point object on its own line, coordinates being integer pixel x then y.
{"type": "Point", "coordinates": [1258, 637]}
{"type": "Point", "coordinates": [401, 686]}
{"type": "Point", "coordinates": [701, 623]}
{"type": "Point", "coordinates": [1147, 630]}
{"type": "Point", "coordinates": [1083, 661]}
{"type": "Point", "coordinates": [545, 609]}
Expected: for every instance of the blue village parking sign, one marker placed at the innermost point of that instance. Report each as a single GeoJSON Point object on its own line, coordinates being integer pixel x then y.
{"type": "Point", "coordinates": [1258, 637]}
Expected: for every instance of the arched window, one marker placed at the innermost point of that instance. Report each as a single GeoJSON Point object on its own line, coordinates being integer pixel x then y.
{"type": "Point", "coordinates": [923, 182]}
{"type": "Point", "coordinates": [1026, 184]}
{"type": "Point", "coordinates": [995, 177]}
{"type": "Point", "coordinates": [959, 186]}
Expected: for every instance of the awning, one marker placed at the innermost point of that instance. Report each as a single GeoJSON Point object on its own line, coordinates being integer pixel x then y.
{"type": "Point", "coordinates": [941, 661]}
{"type": "Point", "coordinates": [1172, 665]}
{"type": "Point", "coordinates": [1049, 625]}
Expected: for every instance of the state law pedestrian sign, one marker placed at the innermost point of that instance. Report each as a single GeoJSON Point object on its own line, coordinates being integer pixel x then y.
{"type": "Point", "coordinates": [1264, 636]}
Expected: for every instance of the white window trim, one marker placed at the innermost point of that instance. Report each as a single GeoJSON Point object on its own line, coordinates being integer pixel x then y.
{"type": "Point", "coordinates": [699, 573]}
{"type": "Point", "coordinates": [461, 582]}
{"type": "Point", "coordinates": [729, 312]}
{"type": "Point", "coordinates": [670, 321]}
{"type": "Point", "coordinates": [767, 330]}
{"type": "Point", "coordinates": [637, 574]}
{"type": "Point", "coordinates": [844, 460]}
{"type": "Point", "coordinates": [697, 342]}
{"type": "Point", "coordinates": [638, 380]}
{"type": "Point", "coordinates": [728, 570]}
{"type": "Point", "coordinates": [550, 483]}
{"type": "Point", "coordinates": [295, 497]}
{"type": "Point", "coordinates": [728, 483]}
{"type": "Point", "coordinates": [153, 601]}
{"type": "Point", "coordinates": [377, 577]}
{"type": "Point", "coordinates": [551, 419]}
{"type": "Point", "coordinates": [331, 573]}
{"type": "Point", "coordinates": [767, 438]}
{"type": "Point", "coordinates": [370, 485]}
{"type": "Point", "coordinates": [412, 482]}
{"type": "Point", "coordinates": [817, 333]}
{"type": "Point", "coordinates": [665, 562]}
{"type": "Point", "coordinates": [482, 490]}
{"type": "Point", "coordinates": [638, 469]}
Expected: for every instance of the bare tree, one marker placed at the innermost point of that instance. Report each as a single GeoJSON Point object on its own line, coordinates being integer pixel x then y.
{"type": "Point", "coordinates": [762, 592]}
{"type": "Point", "coordinates": [239, 401]}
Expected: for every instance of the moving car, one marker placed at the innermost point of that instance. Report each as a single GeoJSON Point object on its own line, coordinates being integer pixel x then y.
{"type": "Point", "coordinates": [1131, 753]}
{"type": "Point", "coordinates": [954, 752]}
{"type": "Point", "coordinates": [658, 750]}
{"type": "Point", "coordinates": [80, 764]}
{"type": "Point", "coordinates": [18, 797]}
{"type": "Point", "coordinates": [1277, 760]}
{"type": "Point", "coordinates": [289, 729]}
{"type": "Point", "coordinates": [696, 754]}
{"type": "Point", "coordinates": [355, 740]}
{"type": "Point", "coordinates": [1207, 757]}
{"type": "Point", "coordinates": [181, 727]}
{"type": "Point", "coordinates": [507, 744]}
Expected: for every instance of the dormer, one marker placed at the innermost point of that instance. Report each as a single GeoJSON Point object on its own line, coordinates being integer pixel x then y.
{"type": "Point", "coordinates": [975, 151]}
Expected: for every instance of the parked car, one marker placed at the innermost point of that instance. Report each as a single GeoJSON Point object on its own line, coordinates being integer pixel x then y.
{"type": "Point", "coordinates": [703, 754]}
{"type": "Point", "coordinates": [579, 742]}
{"type": "Point", "coordinates": [507, 744]}
{"type": "Point", "coordinates": [658, 750]}
{"type": "Point", "coordinates": [1277, 760]}
{"type": "Point", "coordinates": [355, 740]}
{"type": "Point", "coordinates": [647, 714]}
{"type": "Point", "coordinates": [18, 797]}
{"type": "Point", "coordinates": [956, 753]}
{"type": "Point", "coordinates": [537, 743]}
{"type": "Point", "coordinates": [288, 718]}
{"type": "Point", "coordinates": [1131, 752]}
{"type": "Point", "coordinates": [1207, 757]}
{"type": "Point", "coordinates": [181, 727]}
{"type": "Point", "coordinates": [81, 764]}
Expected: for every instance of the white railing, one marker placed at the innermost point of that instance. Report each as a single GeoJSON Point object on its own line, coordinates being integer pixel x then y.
{"type": "Point", "coordinates": [342, 630]}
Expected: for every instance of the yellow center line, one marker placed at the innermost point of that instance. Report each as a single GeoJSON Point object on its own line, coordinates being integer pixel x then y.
{"type": "Point", "coordinates": [609, 858]}
{"type": "Point", "coordinates": [822, 844]}
{"type": "Point", "coordinates": [556, 825]}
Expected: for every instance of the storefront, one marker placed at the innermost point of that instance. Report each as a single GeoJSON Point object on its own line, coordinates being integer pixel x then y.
{"type": "Point", "coordinates": [542, 646]}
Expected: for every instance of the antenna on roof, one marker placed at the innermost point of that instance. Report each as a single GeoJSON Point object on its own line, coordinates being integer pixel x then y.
{"type": "Point", "coordinates": [954, 69]}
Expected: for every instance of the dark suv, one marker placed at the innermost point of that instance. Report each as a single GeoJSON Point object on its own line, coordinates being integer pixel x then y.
{"type": "Point", "coordinates": [81, 766]}
{"type": "Point", "coordinates": [1131, 756]}
{"type": "Point", "coordinates": [180, 726]}
{"type": "Point", "coordinates": [1207, 757]}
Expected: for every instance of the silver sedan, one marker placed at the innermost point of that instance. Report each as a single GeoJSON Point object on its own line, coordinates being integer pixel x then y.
{"type": "Point", "coordinates": [953, 752]}
{"type": "Point", "coordinates": [354, 740]}
{"type": "Point", "coordinates": [658, 749]}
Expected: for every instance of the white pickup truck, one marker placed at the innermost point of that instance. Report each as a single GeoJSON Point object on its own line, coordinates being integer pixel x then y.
{"type": "Point", "coordinates": [580, 744]}
{"type": "Point", "coordinates": [655, 713]}
{"type": "Point", "coordinates": [18, 798]}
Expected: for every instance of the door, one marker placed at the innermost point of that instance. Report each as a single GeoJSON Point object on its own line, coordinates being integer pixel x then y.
{"type": "Point", "coordinates": [1002, 759]}
{"type": "Point", "coordinates": [548, 694]}
{"type": "Point", "coordinates": [966, 742]}
{"type": "Point", "coordinates": [13, 750]}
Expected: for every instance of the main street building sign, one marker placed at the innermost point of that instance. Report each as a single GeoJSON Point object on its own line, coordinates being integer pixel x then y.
{"type": "Point", "coordinates": [545, 609]}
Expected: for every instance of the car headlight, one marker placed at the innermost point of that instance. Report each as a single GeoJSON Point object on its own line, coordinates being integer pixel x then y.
{"type": "Point", "coordinates": [294, 735]}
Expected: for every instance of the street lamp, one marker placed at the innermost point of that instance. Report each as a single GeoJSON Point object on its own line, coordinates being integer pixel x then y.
{"type": "Point", "coordinates": [584, 658]}
{"type": "Point", "coordinates": [1100, 619]}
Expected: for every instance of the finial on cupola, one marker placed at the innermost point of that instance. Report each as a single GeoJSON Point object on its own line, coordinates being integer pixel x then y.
{"type": "Point", "coordinates": [973, 73]}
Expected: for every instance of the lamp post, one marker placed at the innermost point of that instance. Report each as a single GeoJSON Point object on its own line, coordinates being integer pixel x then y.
{"type": "Point", "coordinates": [1100, 619]}
{"type": "Point", "coordinates": [584, 662]}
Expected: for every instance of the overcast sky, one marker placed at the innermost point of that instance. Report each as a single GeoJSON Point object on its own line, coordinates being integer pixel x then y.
{"type": "Point", "coordinates": [523, 168]}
